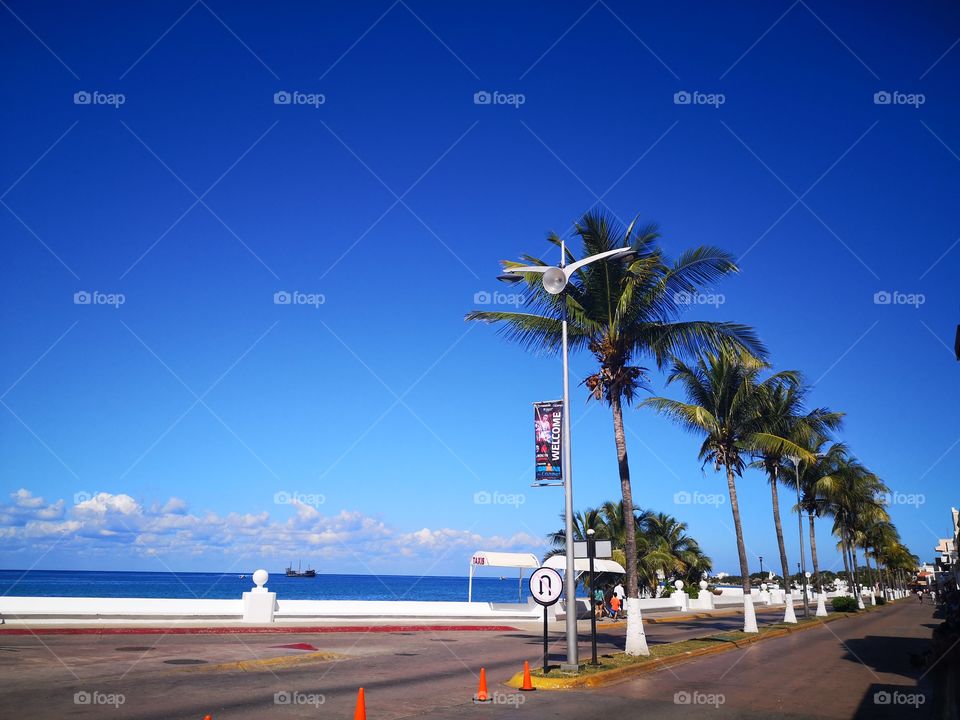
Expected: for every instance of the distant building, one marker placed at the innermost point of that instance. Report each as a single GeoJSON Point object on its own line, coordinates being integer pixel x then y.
{"type": "Point", "coordinates": [944, 561]}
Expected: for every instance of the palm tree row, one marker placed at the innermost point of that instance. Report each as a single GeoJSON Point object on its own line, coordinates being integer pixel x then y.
{"type": "Point", "coordinates": [622, 313]}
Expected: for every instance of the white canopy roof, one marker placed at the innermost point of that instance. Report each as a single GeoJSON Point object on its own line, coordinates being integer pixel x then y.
{"type": "Point", "coordinates": [559, 562]}
{"type": "Point", "coordinates": [487, 558]}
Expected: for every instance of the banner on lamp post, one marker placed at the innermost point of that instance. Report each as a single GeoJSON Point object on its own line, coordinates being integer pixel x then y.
{"type": "Point", "coordinates": [548, 434]}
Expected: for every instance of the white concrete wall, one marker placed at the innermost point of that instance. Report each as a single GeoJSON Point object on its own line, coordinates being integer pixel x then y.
{"type": "Point", "coordinates": [145, 610]}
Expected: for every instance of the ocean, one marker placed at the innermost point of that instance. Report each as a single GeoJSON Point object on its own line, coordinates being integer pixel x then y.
{"type": "Point", "coordinates": [66, 583]}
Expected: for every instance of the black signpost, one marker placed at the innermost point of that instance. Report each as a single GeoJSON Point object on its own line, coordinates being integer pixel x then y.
{"type": "Point", "coordinates": [591, 549]}
{"type": "Point", "coordinates": [591, 554]}
{"type": "Point", "coordinates": [546, 587]}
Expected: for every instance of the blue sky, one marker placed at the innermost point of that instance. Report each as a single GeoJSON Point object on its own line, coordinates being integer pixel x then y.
{"type": "Point", "coordinates": [160, 433]}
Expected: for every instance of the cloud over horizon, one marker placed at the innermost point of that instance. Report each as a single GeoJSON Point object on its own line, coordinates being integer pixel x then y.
{"type": "Point", "coordinates": [111, 524]}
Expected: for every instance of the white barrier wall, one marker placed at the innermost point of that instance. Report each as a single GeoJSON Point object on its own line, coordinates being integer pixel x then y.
{"type": "Point", "coordinates": [145, 610]}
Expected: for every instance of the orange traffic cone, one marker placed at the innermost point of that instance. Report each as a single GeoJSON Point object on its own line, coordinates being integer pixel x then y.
{"type": "Point", "coordinates": [482, 696]}
{"type": "Point", "coordinates": [527, 684]}
{"type": "Point", "coordinates": [361, 712]}
{"type": "Point", "coordinates": [208, 717]}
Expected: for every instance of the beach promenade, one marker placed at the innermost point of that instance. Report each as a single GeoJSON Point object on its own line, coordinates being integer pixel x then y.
{"type": "Point", "coordinates": [433, 673]}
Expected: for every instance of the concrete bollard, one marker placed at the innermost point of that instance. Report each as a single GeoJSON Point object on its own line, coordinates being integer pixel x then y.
{"type": "Point", "coordinates": [705, 598]}
{"type": "Point", "coordinates": [259, 605]}
{"type": "Point", "coordinates": [821, 604]}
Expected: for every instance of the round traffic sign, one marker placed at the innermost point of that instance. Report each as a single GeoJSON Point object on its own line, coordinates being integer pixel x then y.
{"type": "Point", "coordinates": [546, 585]}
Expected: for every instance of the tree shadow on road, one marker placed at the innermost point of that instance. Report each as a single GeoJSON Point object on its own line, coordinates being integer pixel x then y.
{"type": "Point", "coordinates": [888, 654]}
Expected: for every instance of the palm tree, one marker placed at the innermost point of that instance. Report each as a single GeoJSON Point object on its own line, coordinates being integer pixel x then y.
{"type": "Point", "coordinates": [783, 414]}
{"type": "Point", "coordinates": [811, 501]}
{"type": "Point", "coordinates": [851, 494]}
{"type": "Point", "coordinates": [620, 314]}
{"type": "Point", "coordinates": [882, 538]}
{"type": "Point", "coordinates": [662, 542]}
{"type": "Point", "coordinates": [725, 404]}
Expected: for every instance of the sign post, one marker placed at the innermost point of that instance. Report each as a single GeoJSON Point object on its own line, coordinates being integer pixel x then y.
{"type": "Point", "coordinates": [546, 587]}
{"type": "Point", "coordinates": [592, 553]}
{"type": "Point", "coordinates": [593, 549]}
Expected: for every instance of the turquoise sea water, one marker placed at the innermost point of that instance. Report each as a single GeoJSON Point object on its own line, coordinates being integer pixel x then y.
{"type": "Point", "coordinates": [65, 583]}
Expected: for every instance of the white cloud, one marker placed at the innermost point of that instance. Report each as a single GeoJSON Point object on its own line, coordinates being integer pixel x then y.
{"type": "Point", "coordinates": [108, 523]}
{"type": "Point", "coordinates": [175, 506]}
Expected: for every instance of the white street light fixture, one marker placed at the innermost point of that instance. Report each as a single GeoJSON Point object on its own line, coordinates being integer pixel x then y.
{"type": "Point", "coordinates": [555, 280]}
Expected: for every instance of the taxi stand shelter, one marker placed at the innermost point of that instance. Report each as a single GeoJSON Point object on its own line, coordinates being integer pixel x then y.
{"type": "Point", "coordinates": [487, 558]}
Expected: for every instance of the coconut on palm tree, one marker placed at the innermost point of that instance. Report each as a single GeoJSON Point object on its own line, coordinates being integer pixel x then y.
{"type": "Point", "coordinates": [621, 313]}
{"type": "Point", "coordinates": [725, 403]}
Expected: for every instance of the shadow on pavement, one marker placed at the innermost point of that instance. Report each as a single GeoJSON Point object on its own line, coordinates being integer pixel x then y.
{"type": "Point", "coordinates": [888, 654]}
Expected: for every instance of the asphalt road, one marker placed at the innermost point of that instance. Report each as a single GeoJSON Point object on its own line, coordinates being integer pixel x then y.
{"type": "Point", "coordinates": [831, 671]}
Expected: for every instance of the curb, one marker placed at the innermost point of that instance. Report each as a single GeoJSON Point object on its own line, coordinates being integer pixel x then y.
{"type": "Point", "coordinates": [261, 630]}
{"type": "Point", "coordinates": [609, 677]}
{"type": "Point", "coordinates": [274, 663]}
{"type": "Point", "coordinates": [692, 616]}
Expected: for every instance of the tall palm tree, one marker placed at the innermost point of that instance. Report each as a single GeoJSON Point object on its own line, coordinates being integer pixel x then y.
{"type": "Point", "coordinates": [725, 403]}
{"type": "Point", "coordinates": [852, 495]}
{"type": "Point", "coordinates": [621, 313]}
{"type": "Point", "coordinates": [783, 414]}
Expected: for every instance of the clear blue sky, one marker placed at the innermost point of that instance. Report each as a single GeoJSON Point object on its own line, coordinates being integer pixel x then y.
{"type": "Point", "coordinates": [157, 434]}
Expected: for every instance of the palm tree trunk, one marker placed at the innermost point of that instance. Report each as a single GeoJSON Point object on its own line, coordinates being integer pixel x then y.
{"type": "Point", "coordinates": [749, 616]}
{"type": "Point", "coordinates": [813, 553]}
{"type": "Point", "coordinates": [846, 557]}
{"type": "Point", "coordinates": [789, 616]}
{"type": "Point", "coordinates": [785, 566]}
{"type": "Point", "coordinates": [853, 564]}
{"type": "Point", "coordinates": [636, 641]}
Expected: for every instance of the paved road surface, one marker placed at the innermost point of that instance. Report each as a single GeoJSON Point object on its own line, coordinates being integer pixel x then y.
{"type": "Point", "coordinates": [837, 669]}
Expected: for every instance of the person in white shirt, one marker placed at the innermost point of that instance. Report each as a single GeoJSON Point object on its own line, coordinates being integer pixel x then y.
{"type": "Point", "coordinates": [618, 591]}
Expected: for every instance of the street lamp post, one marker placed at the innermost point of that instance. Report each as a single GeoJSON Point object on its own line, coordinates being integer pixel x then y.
{"type": "Point", "coordinates": [761, 567]}
{"type": "Point", "coordinates": [803, 559]}
{"type": "Point", "coordinates": [555, 280]}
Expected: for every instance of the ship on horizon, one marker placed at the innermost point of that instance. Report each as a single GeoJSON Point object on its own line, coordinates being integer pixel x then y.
{"type": "Point", "coordinates": [309, 572]}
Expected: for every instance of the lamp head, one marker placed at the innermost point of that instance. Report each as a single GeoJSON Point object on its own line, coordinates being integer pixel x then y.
{"type": "Point", "coordinates": [591, 531]}
{"type": "Point", "coordinates": [554, 281]}
{"type": "Point", "coordinates": [510, 277]}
